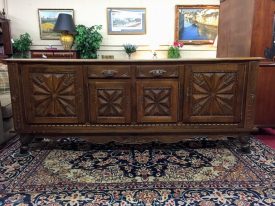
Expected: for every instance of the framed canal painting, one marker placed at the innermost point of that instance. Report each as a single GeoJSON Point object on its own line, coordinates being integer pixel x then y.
{"type": "Point", "coordinates": [47, 19]}
{"type": "Point", "coordinates": [196, 24]}
{"type": "Point", "coordinates": [126, 20]}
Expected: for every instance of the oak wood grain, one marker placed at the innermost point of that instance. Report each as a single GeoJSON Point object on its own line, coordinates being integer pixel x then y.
{"type": "Point", "coordinates": [265, 97]}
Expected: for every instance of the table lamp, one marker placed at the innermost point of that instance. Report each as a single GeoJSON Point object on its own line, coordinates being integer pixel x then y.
{"type": "Point", "coordinates": [66, 26]}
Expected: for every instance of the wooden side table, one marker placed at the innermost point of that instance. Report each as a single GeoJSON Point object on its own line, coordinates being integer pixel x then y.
{"type": "Point", "coordinates": [55, 54]}
{"type": "Point", "coordinates": [265, 96]}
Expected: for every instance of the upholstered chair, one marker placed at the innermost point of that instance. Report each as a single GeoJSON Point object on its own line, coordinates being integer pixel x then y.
{"type": "Point", "coordinates": [6, 121]}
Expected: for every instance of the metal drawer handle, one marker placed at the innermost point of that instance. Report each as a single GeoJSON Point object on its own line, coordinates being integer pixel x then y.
{"type": "Point", "coordinates": [157, 72]}
{"type": "Point", "coordinates": [109, 73]}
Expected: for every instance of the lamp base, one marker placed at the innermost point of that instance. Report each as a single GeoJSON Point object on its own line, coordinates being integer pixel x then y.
{"type": "Point", "coordinates": [67, 40]}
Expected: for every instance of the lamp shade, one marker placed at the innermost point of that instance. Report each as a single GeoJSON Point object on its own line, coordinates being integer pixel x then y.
{"type": "Point", "coordinates": [64, 22]}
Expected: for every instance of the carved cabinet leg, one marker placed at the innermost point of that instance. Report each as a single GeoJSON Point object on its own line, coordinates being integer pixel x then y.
{"type": "Point", "coordinates": [245, 144]}
{"type": "Point", "coordinates": [25, 139]}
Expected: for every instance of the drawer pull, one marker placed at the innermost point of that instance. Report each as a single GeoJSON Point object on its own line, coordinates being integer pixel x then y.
{"type": "Point", "coordinates": [157, 72]}
{"type": "Point", "coordinates": [108, 73]}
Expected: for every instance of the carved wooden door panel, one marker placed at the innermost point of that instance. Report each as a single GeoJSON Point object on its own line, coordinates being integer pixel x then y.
{"type": "Point", "coordinates": [214, 93]}
{"type": "Point", "coordinates": [53, 94]}
{"type": "Point", "coordinates": [157, 100]}
{"type": "Point", "coordinates": [110, 101]}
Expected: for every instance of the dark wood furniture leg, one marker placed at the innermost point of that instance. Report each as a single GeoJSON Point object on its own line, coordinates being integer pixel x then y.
{"type": "Point", "coordinates": [25, 139]}
{"type": "Point", "coordinates": [245, 144]}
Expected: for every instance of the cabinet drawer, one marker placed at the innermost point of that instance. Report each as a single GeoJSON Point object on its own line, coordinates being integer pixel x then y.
{"type": "Point", "coordinates": [54, 54]}
{"type": "Point", "coordinates": [41, 54]}
{"type": "Point", "coordinates": [109, 71]}
{"type": "Point", "coordinates": [157, 71]}
{"type": "Point", "coordinates": [64, 54]}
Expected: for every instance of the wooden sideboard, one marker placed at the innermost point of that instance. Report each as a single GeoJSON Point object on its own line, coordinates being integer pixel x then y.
{"type": "Point", "coordinates": [55, 54]}
{"type": "Point", "coordinates": [265, 101]}
{"type": "Point", "coordinates": [192, 97]}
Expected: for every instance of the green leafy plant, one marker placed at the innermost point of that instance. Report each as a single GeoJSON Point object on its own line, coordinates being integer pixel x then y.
{"type": "Point", "coordinates": [129, 49]}
{"type": "Point", "coordinates": [88, 40]}
{"type": "Point", "coordinates": [174, 51]}
{"type": "Point", "coordinates": [22, 45]}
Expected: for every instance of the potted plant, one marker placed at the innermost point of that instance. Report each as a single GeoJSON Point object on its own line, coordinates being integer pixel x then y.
{"type": "Point", "coordinates": [129, 49]}
{"type": "Point", "coordinates": [22, 45]}
{"type": "Point", "coordinates": [174, 51]}
{"type": "Point", "coordinates": [88, 40]}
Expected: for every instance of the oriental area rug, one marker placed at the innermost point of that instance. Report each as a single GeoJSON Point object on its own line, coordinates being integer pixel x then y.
{"type": "Point", "coordinates": [69, 172]}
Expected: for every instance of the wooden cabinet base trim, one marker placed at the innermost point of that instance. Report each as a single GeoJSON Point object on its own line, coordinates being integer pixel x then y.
{"type": "Point", "coordinates": [150, 130]}
{"type": "Point", "coordinates": [140, 128]}
{"type": "Point", "coordinates": [130, 125]}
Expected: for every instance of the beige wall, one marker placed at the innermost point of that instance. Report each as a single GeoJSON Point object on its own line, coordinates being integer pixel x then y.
{"type": "Point", "coordinates": [160, 23]}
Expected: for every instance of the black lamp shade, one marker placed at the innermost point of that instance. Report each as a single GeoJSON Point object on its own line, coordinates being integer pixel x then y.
{"type": "Point", "coordinates": [64, 22]}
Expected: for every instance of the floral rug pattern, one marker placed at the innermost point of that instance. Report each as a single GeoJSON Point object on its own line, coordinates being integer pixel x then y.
{"type": "Point", "coordinates": [186, 173]}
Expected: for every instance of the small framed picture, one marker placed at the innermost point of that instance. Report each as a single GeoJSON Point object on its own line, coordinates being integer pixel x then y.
{"type": "Point", "coordinates": [196, 24]}
{"type": "Point", "coordinates": [126, 20]}
{"type": "Point", "coordinates": [47, 19]}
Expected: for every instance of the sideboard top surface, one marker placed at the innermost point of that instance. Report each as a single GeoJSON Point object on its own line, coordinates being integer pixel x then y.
{"type": "Point", "coordinates": [185, 60]}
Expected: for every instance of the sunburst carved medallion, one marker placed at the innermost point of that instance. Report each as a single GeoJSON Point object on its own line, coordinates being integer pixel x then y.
{"type": "Point", "coordinates": [213, 93]}
{"type": "Point", "coordinates": [53, 95]}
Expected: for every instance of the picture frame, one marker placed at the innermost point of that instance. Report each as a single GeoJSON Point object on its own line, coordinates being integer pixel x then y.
{"type": "Point", "coordinates": [126, 21]}
{"type": "Point", "coordinates": [47, 19]}
{"type": "Point", "coordinates": [196, 24]}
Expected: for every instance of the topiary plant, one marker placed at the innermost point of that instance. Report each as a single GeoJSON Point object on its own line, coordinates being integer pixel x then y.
{"type": "Point", "coordinates": [22, 45]}
{"type": "Point", "coordinates": [88, 40]}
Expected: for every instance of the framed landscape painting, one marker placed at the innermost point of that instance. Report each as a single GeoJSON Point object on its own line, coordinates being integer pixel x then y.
{"type": "Point", "coordinates": [126, 20]}
{"type": "Point", "coordinates": [196, 24]}
{"type": "Point", "coordinates": [47, 19]}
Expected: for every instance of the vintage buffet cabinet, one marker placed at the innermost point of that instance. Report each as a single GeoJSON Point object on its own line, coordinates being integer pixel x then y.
{"type": "Point", "coordinates": [133, 98]}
